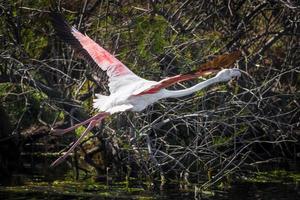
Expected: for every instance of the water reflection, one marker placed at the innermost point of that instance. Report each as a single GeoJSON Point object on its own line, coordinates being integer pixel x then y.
{"type": "Point", "coordinates": [41, 182]}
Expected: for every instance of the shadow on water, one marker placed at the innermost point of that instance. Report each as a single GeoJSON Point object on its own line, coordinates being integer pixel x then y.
{"type": "Point", "coordinates": [38, 181]}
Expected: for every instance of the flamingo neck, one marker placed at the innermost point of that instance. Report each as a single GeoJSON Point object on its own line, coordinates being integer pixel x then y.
{"type": "Point", "coordinates": [191, 90]}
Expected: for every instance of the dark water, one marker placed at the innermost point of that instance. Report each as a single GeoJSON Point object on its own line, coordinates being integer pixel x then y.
{"type": "Point", "coordinates": [54, 190]}
{"type": "Point", "coordinates": [38, 181]}
{"type": "Point", "coordinates": [243, 191]}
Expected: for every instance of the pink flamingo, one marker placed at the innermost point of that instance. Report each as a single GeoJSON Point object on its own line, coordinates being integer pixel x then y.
{"type": "Point", "coordinates": [129, 92]}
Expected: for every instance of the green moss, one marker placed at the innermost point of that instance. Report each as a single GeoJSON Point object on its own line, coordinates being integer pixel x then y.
{"type": "Point", "coordinates": [275, 176]}
{"type": "Point", "coordinates": [33, 42]}
{"type": "Point", "coordinates": [36, 4]}
{"type": "Point", "coordinates": [150, 35]}
{"type": "Point", "coordinates": [221, 140]}
{"type": "Point", "coordinates": [207, 193]}
{"type": "Point", "coordinates": [79, 130]}
{"type": "Point", "coordinates": [226, 140]}
{"type": "Point", "coordinates": [21, 101]}
{"type": "Point", "coordinates": [145, 198]}
{"type": "Point", "coordinates": [4, 88]}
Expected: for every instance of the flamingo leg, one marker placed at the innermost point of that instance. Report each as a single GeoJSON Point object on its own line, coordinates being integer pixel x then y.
{"type": "Point", "coordinates": [91, 125]}
{"type": "Point", "coordinates": [63, 131]}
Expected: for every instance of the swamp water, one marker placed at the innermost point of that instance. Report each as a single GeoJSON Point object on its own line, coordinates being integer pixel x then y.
{"type": "Point", "coordinates": [38, 181]}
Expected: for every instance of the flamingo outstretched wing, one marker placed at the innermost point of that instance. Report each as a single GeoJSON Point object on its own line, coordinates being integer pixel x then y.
{"type": "Point", "coordinates": [85, 47]}
{"type": "Point", "coordinates": [222, 61]}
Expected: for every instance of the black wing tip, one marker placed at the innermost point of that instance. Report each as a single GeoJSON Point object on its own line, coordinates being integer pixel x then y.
{"type": "Point", "coordinates": [58, 21]}
{"type": "Point", "coordinates": [62, 29]}
{"type": "Point", "coordinates": [66, 33]}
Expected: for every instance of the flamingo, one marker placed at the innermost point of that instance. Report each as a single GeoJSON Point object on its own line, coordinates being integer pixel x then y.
{"type": "Point", "coordinates": [128, 91]}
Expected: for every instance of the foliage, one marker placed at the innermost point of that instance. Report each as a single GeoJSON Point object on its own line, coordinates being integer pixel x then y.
{"type": "Point", "coordinates": [202, 137]}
